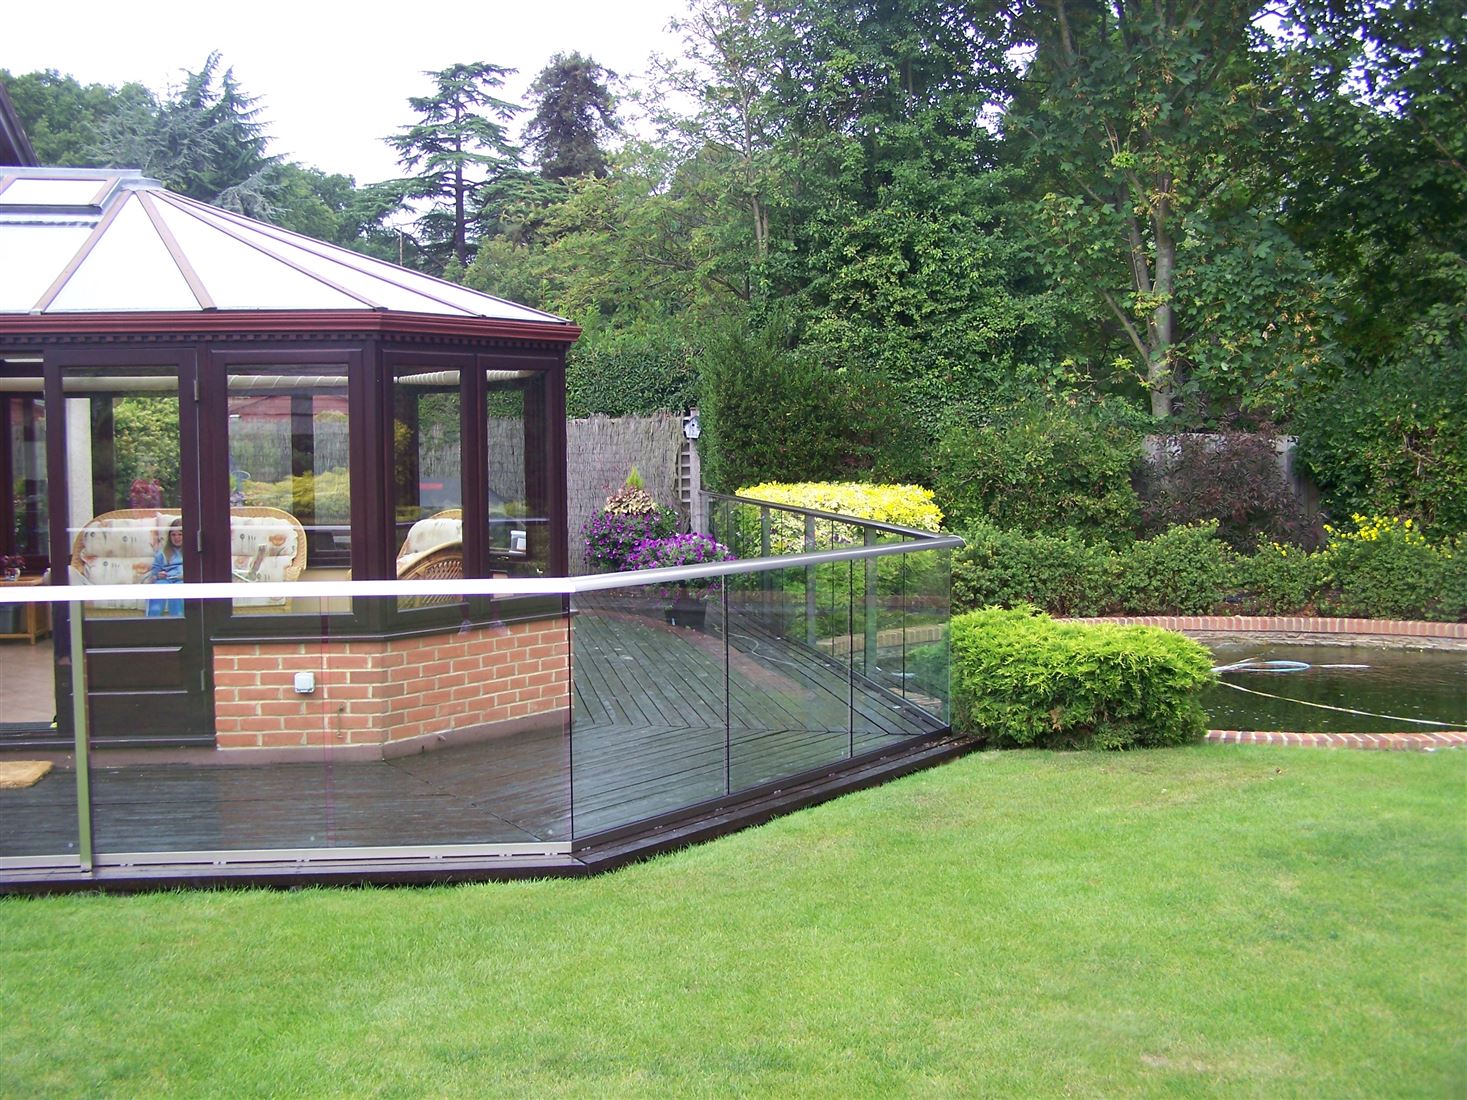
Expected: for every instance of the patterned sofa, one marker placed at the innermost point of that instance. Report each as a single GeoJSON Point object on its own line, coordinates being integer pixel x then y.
{"type": "Point", "coordinates": [266, 544]}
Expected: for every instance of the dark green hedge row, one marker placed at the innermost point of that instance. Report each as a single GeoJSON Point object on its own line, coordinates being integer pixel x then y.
{"type": "Point", "coordinates": [1020, 679]}
{"type": "Point", "coordinates": [1379, 569]}
{"type": "Point", "coordinates": [635, 380]}
{"type": "Point", "coordinates": [771, 415]}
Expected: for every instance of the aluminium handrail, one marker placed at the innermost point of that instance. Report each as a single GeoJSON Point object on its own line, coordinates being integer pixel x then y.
{"type": "Point", "coordinates": [854, 521]}
{"type": "Point", "coordinates": [517, 586]}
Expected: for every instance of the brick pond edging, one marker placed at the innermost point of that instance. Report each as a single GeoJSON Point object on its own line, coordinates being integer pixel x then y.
{"type": "Point", "coordinates": [1330, 631]}
{"type": "Point", "coordinates": [1420, 742]}
{"type": "Point", "coordinates": [1403, 629]}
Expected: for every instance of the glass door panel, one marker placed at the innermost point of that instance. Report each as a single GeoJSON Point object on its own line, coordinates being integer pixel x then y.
{"type": "Point", "coordinates": [427, 474]}
{"type": "Point", "coordinates": [289, 482]}
{"type": "Point", "coordinates": [130, 486]}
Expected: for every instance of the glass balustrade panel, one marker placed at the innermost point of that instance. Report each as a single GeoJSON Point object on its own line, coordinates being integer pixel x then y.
{"type": "Point", "coordinates": [649, 713]}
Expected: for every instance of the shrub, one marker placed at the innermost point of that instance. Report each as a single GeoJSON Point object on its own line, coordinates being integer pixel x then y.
{"type": "Point", "coordinates": [1182, 571]}
{"type": "Point", "coordinates": [929, 667]}
{"type": "Point", "coordinates": [1394, 439]}
{"type": "Point", "coordinates": [1454, 578]}
{"type": "Point", "coordinates": [769, 414]}
{"type": "Point", "coordinates": [1385, 568]}
{"type": "Point", "coordinates": [903, 505]}
{"type": "Point", "coordinates": [1061, 574]}
{"type": "Point", "coordinates": [1278, 579]}
{"type": "Point", "coordinates": [1233, 478]}
{"type": "Point", "coordinates": [1041, 470]}
{"type": "Point", "coordinates": [1382, 568]}
{"type": "Point", "coordinates": [1021, 679]}
{"type": "Point", "coordinates": [634, 379]}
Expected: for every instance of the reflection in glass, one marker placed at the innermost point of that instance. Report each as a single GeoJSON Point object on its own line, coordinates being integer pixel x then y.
{"type": "Point", "coordinates": [789, 702]}
{"type": "Point", "coordinates": [289, 480]}
{"type": "Point", "coordinates": [439, 737]}
{"type": "Point", "coordinates": [649, 721]}
{"type": "Point", "coordinates": [519, 532]}
{"type": "Point", "coordinates": [124, 491]}
{"type": "Point", "coordinates": [427, 475]}
{"type": "Point", "coordinates": [28, 533]}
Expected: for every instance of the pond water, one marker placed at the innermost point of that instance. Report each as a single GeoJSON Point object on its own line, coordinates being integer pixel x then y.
{"type": "Point", "coordinates": [1396, 683]}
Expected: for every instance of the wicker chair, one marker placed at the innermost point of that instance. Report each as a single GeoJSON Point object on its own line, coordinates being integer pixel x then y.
{"type": "Point", "coordinates": [445, 561]}
{"type": "Point", "coordinates": [411, 549]}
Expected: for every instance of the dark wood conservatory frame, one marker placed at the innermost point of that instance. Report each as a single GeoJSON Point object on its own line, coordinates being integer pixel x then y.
{"type": "Point", "coordinates": [204, 347]}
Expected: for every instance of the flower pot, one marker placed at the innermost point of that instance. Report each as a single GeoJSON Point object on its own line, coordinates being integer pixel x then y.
{"type": "Point", "coordinates": [687, 611]}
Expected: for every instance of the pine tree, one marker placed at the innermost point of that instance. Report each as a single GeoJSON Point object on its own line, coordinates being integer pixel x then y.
{"type": "Point", "coordinates": [460, 144]}
{"type": "Point", "coordinates": [575, 112]}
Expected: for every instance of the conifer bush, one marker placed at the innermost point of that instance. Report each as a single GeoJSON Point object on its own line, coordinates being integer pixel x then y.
{"type": "Point", "coordinates": [1020, 679]}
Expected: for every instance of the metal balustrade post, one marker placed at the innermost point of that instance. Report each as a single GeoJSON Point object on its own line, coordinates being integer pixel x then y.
{"type": "Point", "coordinates": [870, 563]}
{"type": "Point", "coordinates": [766, 580]}
{"type": "Point", "coordinates": [81, 738]}
{"type": "Point", "coordinates": [812, 637]}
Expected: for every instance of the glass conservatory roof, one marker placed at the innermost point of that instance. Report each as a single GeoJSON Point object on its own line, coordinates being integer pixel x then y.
{"type": "Point", "coordinates": [79, 240]}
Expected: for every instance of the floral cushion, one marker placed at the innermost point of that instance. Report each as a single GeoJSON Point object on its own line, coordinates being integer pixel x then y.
{"type": "Point", "coordinates": [247, 534]}
{"type": "Point", "coordinates": [115, 549]}
{"type": "Point", "coordinates": [429, 534]}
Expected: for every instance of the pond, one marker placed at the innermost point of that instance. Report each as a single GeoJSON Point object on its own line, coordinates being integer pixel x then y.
{"type": "Point", "coordinates": [1292, 687]}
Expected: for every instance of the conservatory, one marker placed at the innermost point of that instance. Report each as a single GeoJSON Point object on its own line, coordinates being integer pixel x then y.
{"type": "Point", "coordinates": [185, 388]}
{"type": "Point", "coordinates": [286, 594]}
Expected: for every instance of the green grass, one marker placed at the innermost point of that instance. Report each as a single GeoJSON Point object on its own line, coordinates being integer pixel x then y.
{"type": "Point", "coordinates": [1188, 922]}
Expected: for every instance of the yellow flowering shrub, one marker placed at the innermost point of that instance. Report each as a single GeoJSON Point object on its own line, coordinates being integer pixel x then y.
{"type": "Point", "coordinates": [903, 505]}
{"type": "Point", "coordinates": [1384, 567]}
{"type": "Point", "coordinates": [1376, 528]}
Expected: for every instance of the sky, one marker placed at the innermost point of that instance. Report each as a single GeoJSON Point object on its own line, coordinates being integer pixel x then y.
{"type": "Point", "coordinates": [333, 78]}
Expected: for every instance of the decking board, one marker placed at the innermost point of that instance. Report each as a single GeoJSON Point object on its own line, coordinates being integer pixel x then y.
{"type": "Point", "coordinates": [647, 736]}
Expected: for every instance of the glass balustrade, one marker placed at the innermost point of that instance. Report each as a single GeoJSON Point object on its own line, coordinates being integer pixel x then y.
{"type": "Point", "coordinates": [483, 718]}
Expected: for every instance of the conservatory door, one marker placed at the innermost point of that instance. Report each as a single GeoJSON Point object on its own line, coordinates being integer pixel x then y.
{"type": "Point", "coordinates": [130, 513]}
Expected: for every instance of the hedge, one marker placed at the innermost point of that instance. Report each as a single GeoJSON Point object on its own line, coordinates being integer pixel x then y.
{"type": "Point", "coordinates": [1020, 679]}
{"type": "Point", "coordinates": [1377, 567]}
{"type": "Point", "coordinates": [633, 380]}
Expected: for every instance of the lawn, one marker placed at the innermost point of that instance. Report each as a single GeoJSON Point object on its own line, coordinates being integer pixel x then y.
{"type": "Point", "coordinates": [1203, 921]}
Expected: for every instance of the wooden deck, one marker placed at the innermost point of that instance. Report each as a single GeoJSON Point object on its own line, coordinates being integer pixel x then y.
{"type": "Point", "coordinates": [659, 721]}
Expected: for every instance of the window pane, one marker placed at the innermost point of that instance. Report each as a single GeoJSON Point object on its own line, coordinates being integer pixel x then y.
{"type": "Point", "coordinates": [427, 474]}
{"type": "Point", "coordinates": [519, 533]}
{"type": "Point", "coordinates": [28, 474]}
{"type": "Point", "coordinates": [125, 507]}
{"type": "Point", "coordinates": [289, 479]}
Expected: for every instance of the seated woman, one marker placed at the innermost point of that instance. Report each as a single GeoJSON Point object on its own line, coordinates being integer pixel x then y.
{"type": "Point", "coordinates": [167, 569]}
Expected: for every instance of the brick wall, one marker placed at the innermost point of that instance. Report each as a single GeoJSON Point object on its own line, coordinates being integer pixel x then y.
{"type": "Point", "coordinates": [392, 695]}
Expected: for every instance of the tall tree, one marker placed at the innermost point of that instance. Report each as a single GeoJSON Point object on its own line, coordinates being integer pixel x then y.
{"type": "Point", "coordinates": [460, 143]}
{"type": "Point", "coordinates": [205, 139]}
{"type": "Point", "coordinates": [1151, 128]}
{"type": "Point", "coordinates": [1378, 195]}
{"type": "Point", "coordinates": [62, 117]}
{"type": "Point", "coordinates": [727, 69]}
{"type": "Point", "coordinates": [1377, 190]}
{"type": "Point", "coordinates": [575, 115]}
{"type": "Point", "coordinates": [894, 239]}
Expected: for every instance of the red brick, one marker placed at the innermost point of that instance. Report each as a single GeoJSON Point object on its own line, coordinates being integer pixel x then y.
{"type": "Point", "coordinates": [281, 740]}
{"type": "Point", "coordinates": [237, 740]}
